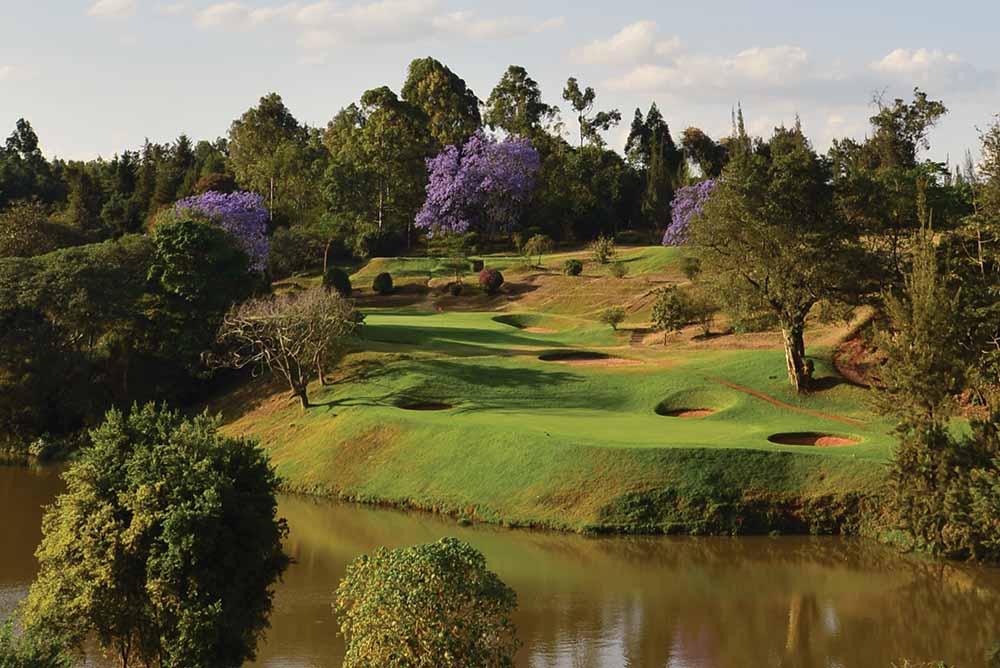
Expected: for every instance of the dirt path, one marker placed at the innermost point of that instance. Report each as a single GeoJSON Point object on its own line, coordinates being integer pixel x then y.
{"type": "Point", "coordinates": [782, 404]}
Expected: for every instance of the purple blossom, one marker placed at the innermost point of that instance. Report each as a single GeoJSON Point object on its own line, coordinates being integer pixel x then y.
{"type": "Point", "coordinates": [688, 203]}
{"type": "Point", "coordinates": [242, 214]}
{"type": "Point", "coordinates": [481, 186]}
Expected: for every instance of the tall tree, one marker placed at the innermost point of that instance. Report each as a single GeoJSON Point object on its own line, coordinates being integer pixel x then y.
{"type": "Point", "coordinates": [24, 171]}
{"type": "Point", "coordinates": [452, 109]}
{"type": "Point", "coordinates": [710, 156]}
{"type": "Point", "coordinates": [582, 102]}
{"type": "Point", "coordinates": [516, 106]}
{"type": "Point", "coordinates": [768, 236]}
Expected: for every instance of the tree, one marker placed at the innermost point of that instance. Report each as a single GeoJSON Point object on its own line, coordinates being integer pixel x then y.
{"type": "Point", "coordinates": [25, 230]}
{"type": "Point", "coordinates": [516, 106]}
{"type": "Point", "coordinates": [481, 187]}
{"type": "Point", "coordinates": [602, 249]}
{"type": "Point", "coordinates": [688, 203]}
{"type": "Point", "coordinates": [539, 245]}
{"type": "Point", "coordinates": [447, 610]}
{"type": "Point", "coordinates": [165, 546]}
{"type": "Point", "coordinates": [241, 214]}
{"type": "Point", "coordinates": [671, 311]}
{"type": "Point", "coordinates": [651, 149]}
{"type": "Point", "coordinates": [296, 336]}
{"type": "Point", "coordinates": [613, 315]}
{"type": "Point", "coordinates": [24, 171]}
{"type": "Point", "coordinates": [452, 109]}
{"type": "Point", "coordinates": [701, 149]}
{"type": "Point", "coordinates": [582, 102]}
{"type": "Point", "coordinates": [769, 240]}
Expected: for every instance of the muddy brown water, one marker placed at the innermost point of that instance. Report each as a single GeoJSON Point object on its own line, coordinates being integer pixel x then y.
{"type": "Point", "coordinates": [787, 602]}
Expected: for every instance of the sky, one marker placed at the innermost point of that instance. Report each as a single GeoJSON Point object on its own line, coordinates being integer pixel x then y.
{"type": "Point", "coordinates": [95, 77]}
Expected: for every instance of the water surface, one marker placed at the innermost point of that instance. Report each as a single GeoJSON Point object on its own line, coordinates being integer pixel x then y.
{"type": "Point", "coordinates": [637, 602]}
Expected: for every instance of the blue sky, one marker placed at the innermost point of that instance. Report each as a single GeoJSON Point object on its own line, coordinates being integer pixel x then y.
{"type": "Point", "coordinates": [97, 76]}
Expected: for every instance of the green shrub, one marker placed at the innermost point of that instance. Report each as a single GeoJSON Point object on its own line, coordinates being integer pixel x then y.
{"type": "Point", "coordinates": [573, 268]}
{"type": "Point", "coordinates": [490, 280]}
{"type": "Point", "coordinates": [337, 279]}
{"type": "Point", "coordinates": [619, 270]}
{"type": "Point", "coordinates": [602, 249]}
{"type": "Point", "coordinates": [613, 316]}
{"type": "Point", "coordinates": [538, 245]}
{"type": "Point", "coordinates": [382, 283]}
{"type": "Point", "coordinates": [671, 311]}
{"type": "Point", "coordinates": [477, 265]}
{"type": "Point", "coordinates": [690, 267]}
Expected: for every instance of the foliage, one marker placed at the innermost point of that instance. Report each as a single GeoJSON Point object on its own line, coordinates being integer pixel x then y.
{"type": "Point", "coordinates": [165, 546]}
{"type": "Point", "coordinates": [241, 214]}
{"type": "Point", "coordinates": [573, 267]}
{"type": "Point", "coordinates": [769, 241]}
{"type": "Point", "coordinates": [924, 368]}
{"type": "Point", "coordinates": [538, 245]}
{"type": "Point", "coordinates": [944, 491]}
{"type": "Point", "coordinates": [582, 102]}
{"type": "Point", "coordinates": [214, 182]}
{"type": "Point", "coordinates": [297, 336]}
{"type": "Point", "coordinates": [711, 157]}
{"type": "Point", "coordinates": [452, 109]}
{"type": "Point", "coordinates": [619, 269]}
{"type": "Point", "coordinates": [490, 280]}
{"type": "Point", "coordinates": [337, 279]}
{"type": "Point", "coordinates": [382, 284]}
{"type": "Point", "coordinates": [515, 105]}
{"type": "Point", "coordinates": [671, 311]}
{"type": "Point", "coordinates": [447, 609]}
{"type": "Point", "coordinates": [30, 651]}
{"type": "Point", "coordinates": [688, 203]}
{"type": "Point", "coordinates": [481, 187]}
{"type": "Point", "coordinates": [613, 315]}
{"type": "Point", "coordinates": [602, 249]}
{"type": "Point", "coordinates": [26, 231]}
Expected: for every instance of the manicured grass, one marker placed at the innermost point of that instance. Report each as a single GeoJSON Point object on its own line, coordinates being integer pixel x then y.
{"type": "Point", "coordinates": [567, 445]}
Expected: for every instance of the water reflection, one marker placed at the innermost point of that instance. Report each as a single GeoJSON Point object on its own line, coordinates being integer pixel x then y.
{"type": "Point", "coordinates": [638, 602]}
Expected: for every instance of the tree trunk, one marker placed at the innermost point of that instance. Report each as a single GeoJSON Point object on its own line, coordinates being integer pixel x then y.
{"type": "Point", "coordinates": [326, 254]}
{"type": "Point", "coordinates": [795, 356]}
{"type": "Point", "coordinates": [303, 399]}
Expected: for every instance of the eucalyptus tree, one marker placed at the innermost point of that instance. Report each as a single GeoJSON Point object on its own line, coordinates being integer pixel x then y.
{"type": "Point", "coordinates": [515, 105]}
{"type": "Point", "coordinates": [582, 102]}
{"type": "Point", "coordinates": [451, 107]}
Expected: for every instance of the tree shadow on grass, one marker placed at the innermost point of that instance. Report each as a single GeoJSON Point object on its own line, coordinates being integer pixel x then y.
{"type": "Point", "coordinates": [453, 337]}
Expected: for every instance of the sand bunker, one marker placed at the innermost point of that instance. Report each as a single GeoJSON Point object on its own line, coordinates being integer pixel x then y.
{"type": "Point", "coordinates": [586, 358]}
{"type": "Point", "coordinates": [684, 412]}
{"type": "Point", "coordinates": [412, 405]}
{"type": "Point", "coordinates": [812, 438]}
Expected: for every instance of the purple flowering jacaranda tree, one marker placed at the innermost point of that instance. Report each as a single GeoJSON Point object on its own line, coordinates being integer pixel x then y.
{"type": "Point", "coordinates": [479, 187]}
{"type": "Point", "coordinates": [688, 203]}
{"type": "Point", "coordinates": [242, 214]}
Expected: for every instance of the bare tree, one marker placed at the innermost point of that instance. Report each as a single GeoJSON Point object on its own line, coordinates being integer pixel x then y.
{"type": "Point", "coordinates": [296, 336]}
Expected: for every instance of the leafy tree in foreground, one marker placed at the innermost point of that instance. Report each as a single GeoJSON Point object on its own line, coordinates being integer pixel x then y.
{"type": "Point", "coordinates": [768, 238]}
{"type": "Point", "coordinates": [296, 336]}
{"type": "Point", "coordinates": [447, 610]}
{"type": "Point", "coordinates": [165, 546]}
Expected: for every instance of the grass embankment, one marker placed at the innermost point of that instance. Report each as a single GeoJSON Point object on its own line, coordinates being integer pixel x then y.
{"type": "Point", "coordinates": [576, 444]}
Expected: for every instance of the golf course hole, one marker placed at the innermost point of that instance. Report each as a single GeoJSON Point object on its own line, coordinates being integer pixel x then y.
{"type": "Point", "coordinates": [812, 438]}
{"type": "Point", "coordinates": [667, 411]}
{"type": "Point", "coordinates": [586, 358]}
{"type": "Point", "coordinates": [414, 405]}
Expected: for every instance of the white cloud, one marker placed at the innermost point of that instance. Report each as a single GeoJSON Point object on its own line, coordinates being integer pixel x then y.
{"type": "Point", "coordinates": [776, 66]}
{"type": "Point", "coordinates": [636, 42]}
{"type": "Point", "coordinates": [112, 8]}
{"type": "Point", "coordinates": [324, 25]}
{"type": "Point", "coordinates": [171, 9]}
{"type": "Point", "coordinates": [932, 68]}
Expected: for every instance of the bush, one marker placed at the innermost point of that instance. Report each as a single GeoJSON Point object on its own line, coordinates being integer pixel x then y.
{"type": "Point", "coordinates": [613, 316]}
{"type": "Point", "coordinates": [619, 269]}
{"type": "Point", "coordinates": [632, 238]}
{"type": "Point", "coordinates": [573, 268]}
{"type": "Point", "coordinates": [490, 280]}
{"type": "Point", "coordinates": [602, 249]}
{"type": "Point", "coordinates": [446, 609]}
{"type": "Point", "coordinates": [477, 265]}
{"type": "Point", "coordinates": [337, 279]}
{"type": "Point", "coordinates": [690, 267]}
{"type": "Point", "coordinates": [382, 283]}
{"type": "Point", "coordinates": [671, 311]}
{"type": "Point", "coordinates": [297, 249]}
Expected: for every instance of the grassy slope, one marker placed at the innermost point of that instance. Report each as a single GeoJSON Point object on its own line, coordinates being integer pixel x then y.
{"type": "Point", "coordinates": [532, 442]}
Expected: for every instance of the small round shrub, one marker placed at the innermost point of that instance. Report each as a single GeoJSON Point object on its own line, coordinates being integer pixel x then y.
{"type": "Point", "coordinates": [382, 283]}
{"type": "Point", "coordinates": [619, 269]}
{"type": "Point", "coordinates": [573, 268]}
{"type": "Point", "coordinates": [602, 249]}
{"type": "Point", "coordinates": [490, 280]}
{"type": "Point", "coordinates": [477, 265]}
{"type": "Point", "coordinates": [337, 279]}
